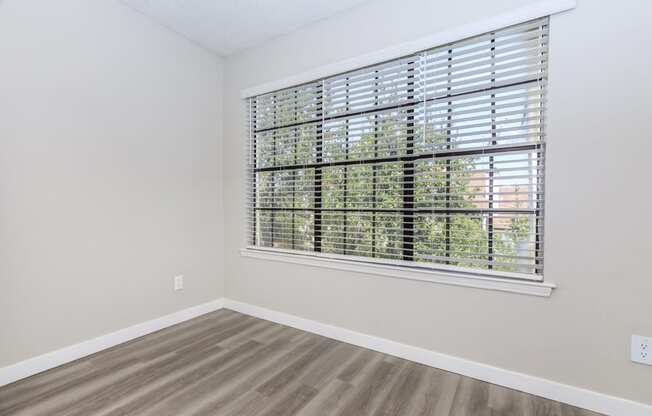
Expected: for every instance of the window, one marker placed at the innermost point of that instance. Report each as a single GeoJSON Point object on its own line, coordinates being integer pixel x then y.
{"type": "Point", "coordinates": [434, 160]}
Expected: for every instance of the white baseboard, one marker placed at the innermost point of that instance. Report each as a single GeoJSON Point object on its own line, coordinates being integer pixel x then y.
{"type": "Point", "coordinates": [575, 396]}
{"type": "Point", "coordinates": [65, 355]}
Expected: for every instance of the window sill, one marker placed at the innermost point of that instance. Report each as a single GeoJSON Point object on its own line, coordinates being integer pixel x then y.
{"type": "Point", "coordinates": [531, 288]}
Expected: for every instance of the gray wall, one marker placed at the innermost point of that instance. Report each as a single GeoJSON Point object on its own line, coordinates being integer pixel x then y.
{"type": "Point", "coordinates": [598, 161]}
{"type": "Point", "coordinates": [110, 176]}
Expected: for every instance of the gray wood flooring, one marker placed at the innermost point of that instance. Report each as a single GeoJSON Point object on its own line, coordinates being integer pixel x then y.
{"type": "Point", "coordinates": [229, 364]}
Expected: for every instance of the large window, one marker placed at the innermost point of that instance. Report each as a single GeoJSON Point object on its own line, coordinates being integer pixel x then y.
{"type": "Point", "coordinates": [434, 160]}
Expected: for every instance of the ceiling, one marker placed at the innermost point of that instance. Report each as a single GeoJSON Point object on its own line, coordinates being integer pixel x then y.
{"type": "Point", "coordinates": [229, 26]}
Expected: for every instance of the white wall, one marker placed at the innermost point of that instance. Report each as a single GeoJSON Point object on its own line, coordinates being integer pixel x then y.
{"type": "Point", "coordinates": [110, 176]}
{"type": "Point", "coordinates": [598, 160]}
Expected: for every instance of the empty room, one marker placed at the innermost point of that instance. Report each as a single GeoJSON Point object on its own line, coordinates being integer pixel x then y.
{"type": "Point", "coordinates": [325, 208]}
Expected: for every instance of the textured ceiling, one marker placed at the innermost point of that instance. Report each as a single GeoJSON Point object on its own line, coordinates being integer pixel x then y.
{"type": "Point", "coordinates": [229, 26]}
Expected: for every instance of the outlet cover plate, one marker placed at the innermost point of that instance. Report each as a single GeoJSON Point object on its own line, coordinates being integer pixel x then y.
{"type": "Point", "coordinates": [178, 282]}
{"type": "Point", "coordinates": [642, 349]}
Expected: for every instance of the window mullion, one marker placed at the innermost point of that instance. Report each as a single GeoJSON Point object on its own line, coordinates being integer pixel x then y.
{"type": "Point", "coordinates": [253, 173]}
{"type": "Point", "coordinates": [490, 217]}
{"type": "Point", "coordinates": [408, 175]}
{"type": "Point", "coordinates": [319, 141]}
{"type": "Point", "coordinates": [374, 169]}
{"type": "Point", "coordinates": [448, 182]}
{"type": "Point", "coordinates": [538, 221]}
{"type": "Point", "coordinates": [295, 149]}
{"type": "Point", "coordinates": [345, 238]}
{"type": "Point", "coordinates": [274, 182]}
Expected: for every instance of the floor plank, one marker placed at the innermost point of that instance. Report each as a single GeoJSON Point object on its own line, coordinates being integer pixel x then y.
{"type": "Point", "coordinates": [435, 393]}
{"type": "Point", "coordinates": [228, 364]}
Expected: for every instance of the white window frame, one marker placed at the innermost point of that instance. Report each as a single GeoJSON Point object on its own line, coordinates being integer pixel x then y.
{"type": "Point", "coordinates": [397, 269]}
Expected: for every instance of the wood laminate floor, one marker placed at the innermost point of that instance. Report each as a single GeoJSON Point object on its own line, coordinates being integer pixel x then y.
{"type": "Point", "coordinates": [230, 364]}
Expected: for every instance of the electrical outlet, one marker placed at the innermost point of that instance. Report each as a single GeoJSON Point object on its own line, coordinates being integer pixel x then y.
{"type": "Point", "coordinates": [178, 283]}
{"type": "Point", "coordinates": [642, 349]}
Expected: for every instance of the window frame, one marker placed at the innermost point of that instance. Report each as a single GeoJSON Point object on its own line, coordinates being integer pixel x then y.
{"type": "Point", "coordinates": [389, 267]}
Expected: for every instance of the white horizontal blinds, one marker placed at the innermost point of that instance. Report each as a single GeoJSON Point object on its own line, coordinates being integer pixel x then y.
{"type": "Point", "coordinates": [434, 160]}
